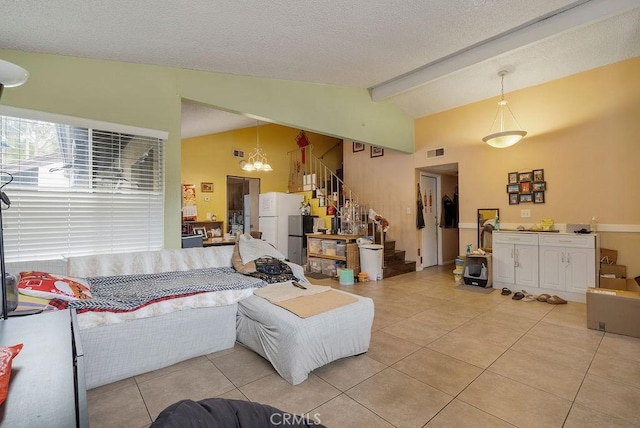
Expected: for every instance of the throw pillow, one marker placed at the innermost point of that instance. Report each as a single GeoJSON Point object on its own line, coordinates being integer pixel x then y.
{"type": "Point", "coordinates": [240, 267]}
{"type": "Point", "coordinates": [52, 286]}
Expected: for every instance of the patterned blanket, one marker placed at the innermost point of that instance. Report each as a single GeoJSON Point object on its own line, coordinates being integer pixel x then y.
{"type": "Point", "coordinates": [124, 293]}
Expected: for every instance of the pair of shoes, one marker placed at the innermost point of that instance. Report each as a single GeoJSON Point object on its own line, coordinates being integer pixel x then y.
{"type": "Point", "coordinates": [529, 297]}
{"type": "Point", "coordinates": [518, 296]}
{"type": "Point", "coordinates": [555, 300]}
{"type": "Point", "coordinates": [543, 297]}
{"type": "Point", "coordinates": [505, 291]}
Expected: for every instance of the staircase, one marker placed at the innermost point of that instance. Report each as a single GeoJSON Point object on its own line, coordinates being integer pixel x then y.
{"type": "Point", "coordinates": [308, 173]}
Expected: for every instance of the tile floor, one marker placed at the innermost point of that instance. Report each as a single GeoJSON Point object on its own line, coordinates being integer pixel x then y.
{"type": "Point", "coordinates": [439, 357]}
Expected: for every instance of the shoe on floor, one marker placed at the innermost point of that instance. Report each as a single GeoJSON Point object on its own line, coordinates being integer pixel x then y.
{"type": "Point", "coordinates": [505, 291]}
{"type": "Point", "coordinates": [518, 296]}
{"type": "Point", "coordinates": [543, 297]}
{"type": "Point", "coordinates": [555, 300]}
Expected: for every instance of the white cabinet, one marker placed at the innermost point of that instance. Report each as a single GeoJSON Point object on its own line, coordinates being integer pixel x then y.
{"type": "Point", "coordinates": [515, 259]}
{"type": "Point", "coordinates": [568, 262]}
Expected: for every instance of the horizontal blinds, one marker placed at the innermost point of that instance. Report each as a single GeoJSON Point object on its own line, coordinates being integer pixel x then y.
{"type": "Point", "coordinates": [79, 191]}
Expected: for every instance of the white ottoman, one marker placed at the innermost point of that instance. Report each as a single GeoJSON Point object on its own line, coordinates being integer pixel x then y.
{"type": "Point", "coordinates": [295, 346]}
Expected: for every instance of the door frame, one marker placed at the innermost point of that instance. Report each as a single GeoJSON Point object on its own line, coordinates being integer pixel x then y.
{"type": "Point", "coordinates": [438, 215]}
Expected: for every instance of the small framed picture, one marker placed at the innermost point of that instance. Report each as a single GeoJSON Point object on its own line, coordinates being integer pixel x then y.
{"type": "Point", "coordinates": [322, 201]}
{"type": "Point", "coordinates": [525, 176]}
{"type": "Point", "coordinates": [539, 186]}
{"type": "Point", "coordinates": [202, 231]}
{"type": "Point", "coordinates": [513, 199]}
{"type": "Point", "coordinates": [538, 175]}
{"type": "Point", "coordinates": [513, 178]}
{"type": "Point", "coordinates": [358, 147]}
{"type": "Point", "coordinates": [513, 188]}
{"type": "Point", "coordinates": [538, 197]}
{"type": "Point", "coordinates": [376, 151]}
{"type": "Point", "coordinates": [525, 187]}
{"type": "Point", "coordinates": [206, 187]}
{"type": "Point", "coordinates": [525, 197]}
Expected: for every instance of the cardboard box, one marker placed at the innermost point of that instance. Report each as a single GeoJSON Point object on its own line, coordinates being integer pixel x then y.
{"type": "Point", "coordinates": [613, 277]}
{"type": "Point", "coordinates": [608, 257]}
{"type": "Point", "coordinates": [614, 311]}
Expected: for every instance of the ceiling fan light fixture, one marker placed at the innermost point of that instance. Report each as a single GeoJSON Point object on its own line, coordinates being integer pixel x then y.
{"type": "Point", "coordinates": [11, 75]}
{"type": "Point", "coordinates": [504, 138]}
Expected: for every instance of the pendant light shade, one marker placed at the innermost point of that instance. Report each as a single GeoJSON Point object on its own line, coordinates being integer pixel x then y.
{"type": "Point", "coordinates": [257, 160]}
{"type": "Point", "coordinates": [499, 137]}
{"type": "Point", "coordinates": [11, 75]}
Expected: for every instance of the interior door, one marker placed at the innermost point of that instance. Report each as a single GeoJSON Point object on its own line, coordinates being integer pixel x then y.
{"type": "Point", "coordinates": [429, 194]}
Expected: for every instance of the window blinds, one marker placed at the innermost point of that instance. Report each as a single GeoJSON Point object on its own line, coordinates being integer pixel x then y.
{"type": "Point", "coordinates": [78, 191]}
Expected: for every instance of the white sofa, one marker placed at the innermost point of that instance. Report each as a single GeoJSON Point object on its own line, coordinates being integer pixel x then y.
{"type": "Point", "coordinates": [118, 351]}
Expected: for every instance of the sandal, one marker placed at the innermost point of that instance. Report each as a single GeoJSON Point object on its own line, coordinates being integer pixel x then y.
{"type": "Point", "coordinates": [529, 298]}
{"type": "Point", "coordinates": [505, 291]}
{"type": "Point", "coordinates": [543, 297]}
{"type": "Point", "coordinates": [518, 296]}
{"type": "Point", "coordinates": [555, 300]}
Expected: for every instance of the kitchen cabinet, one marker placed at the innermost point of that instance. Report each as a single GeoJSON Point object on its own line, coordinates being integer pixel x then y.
{"type": "Point", "coordinates": [515, 259]}
{"type": "Point", "coordinates": [568, 262]}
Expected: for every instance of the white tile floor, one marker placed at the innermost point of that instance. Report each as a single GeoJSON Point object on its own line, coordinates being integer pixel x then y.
{"type": "Point", "coordinates": [439, 357]}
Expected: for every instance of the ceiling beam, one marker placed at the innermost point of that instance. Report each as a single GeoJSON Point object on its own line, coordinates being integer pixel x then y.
{"type": "Point", "coordinates": [576, 14]}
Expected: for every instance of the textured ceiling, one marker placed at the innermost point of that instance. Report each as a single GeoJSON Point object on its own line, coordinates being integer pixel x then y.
{"type": "Point", "coordinates": [360, 43]}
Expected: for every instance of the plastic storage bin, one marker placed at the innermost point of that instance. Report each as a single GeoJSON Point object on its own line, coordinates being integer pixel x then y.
{"type": "Point", "coordinates": [329, 247]}
{"type": "Point", "coordinates": [329, 268]}
{"type": "Point", "coordinates": [314, 245]}
{"type": "Point", "coordinates": [315, 264]}
{"type": "Point", "coordinates": [341, 249]}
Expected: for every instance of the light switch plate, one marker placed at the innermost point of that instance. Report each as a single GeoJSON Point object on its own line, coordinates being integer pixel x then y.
{"type": "Point", "coordinates": [525, 213]}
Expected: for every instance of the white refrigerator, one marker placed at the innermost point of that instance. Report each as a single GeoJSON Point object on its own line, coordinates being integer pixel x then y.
{"type": "Point", "coordinates": [275, 209]}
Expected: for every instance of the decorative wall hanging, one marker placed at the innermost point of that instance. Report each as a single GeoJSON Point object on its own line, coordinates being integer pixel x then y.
{"type": "Point", "coordinates": [206, 187]}
{"type": "Point", "coordinates": [526, 187]}
{"type": "Point", "coordinates": [358, 147]}
{"type": "Point", "coordinates": [376, 151]}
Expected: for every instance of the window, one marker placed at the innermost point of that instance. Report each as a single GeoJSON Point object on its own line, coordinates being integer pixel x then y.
{"type": "Point", "coordinates": [79, 190]}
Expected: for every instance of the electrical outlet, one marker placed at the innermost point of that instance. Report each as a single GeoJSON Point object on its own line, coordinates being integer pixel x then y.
{"type": "Point", "coordinates": [408, 211]}
{"type": "Point", "coordinates": [525, 213]}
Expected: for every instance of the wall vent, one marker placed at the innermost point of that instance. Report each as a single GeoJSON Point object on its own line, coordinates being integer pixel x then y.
{"type": "Point", "coordinates": [435, 153]}
{"type": "Point", "coordinates": [238, 153]}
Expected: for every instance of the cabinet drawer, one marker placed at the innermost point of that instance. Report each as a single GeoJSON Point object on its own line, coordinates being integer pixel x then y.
{"type": "Point", "coordinates": [569, 241]}
{"type": "Point", "coordinates": [521, 238]}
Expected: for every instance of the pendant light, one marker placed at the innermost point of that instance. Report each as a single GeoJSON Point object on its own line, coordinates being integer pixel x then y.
{"type": "Point", "coordinates": [11, 75]}
{"type": "Point", "coordinates": [504, 138]}
{"type": "Point", "coordinates": [257, 160]}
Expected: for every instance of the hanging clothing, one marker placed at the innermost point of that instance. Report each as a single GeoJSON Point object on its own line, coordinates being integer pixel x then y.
{"type": "Point", "coordinates": [419, 211]}
{"type": "Point", "coordinates": [448, 218]}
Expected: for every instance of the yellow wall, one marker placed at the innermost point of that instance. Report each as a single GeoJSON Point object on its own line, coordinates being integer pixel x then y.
{"type": "Point", "coordinates": [583, 131]}
{"type": "Point", "coordinates": [209, 158]}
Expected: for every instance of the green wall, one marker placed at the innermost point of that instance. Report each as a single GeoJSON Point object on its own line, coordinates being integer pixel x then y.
{"type": "Point", "coordinates": [150, 97]}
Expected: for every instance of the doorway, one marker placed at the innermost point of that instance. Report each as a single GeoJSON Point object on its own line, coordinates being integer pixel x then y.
{"type": "Point", "coordinates": [431, 239]}
{"type": "Point", "coordinates": [242, 204]}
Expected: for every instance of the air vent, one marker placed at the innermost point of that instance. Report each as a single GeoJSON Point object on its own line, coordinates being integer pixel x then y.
{"type": "Point", "coordinates": [238, 153]}
{"type": "Point", "coordinates": [435, 153]}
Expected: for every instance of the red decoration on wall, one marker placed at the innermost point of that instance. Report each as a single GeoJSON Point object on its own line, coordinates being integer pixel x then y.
{"type": "Point", "coordinates": [302, 141]}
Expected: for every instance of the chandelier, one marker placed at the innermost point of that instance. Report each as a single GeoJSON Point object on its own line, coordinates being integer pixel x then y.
{"type": "Point", "coordinates": [502, 138]}
{"type": "Point", "coordinates": [257, 160]}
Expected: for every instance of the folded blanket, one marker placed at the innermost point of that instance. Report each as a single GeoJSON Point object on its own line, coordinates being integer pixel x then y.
{"type": "Point", "coordinates": [286, 290]}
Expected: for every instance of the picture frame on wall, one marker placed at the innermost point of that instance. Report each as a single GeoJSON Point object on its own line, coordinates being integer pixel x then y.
{"type": "Point", "coordinates": [358, 147]}
{"type": "Point", "coordinates": [539, 186]}
{"type": "Point", "coordinates": [206, 187]}
{"type": "Point", "coordinates": [525, 176]}
{"type": "Point", "coordinates": [513, 188]}
{"type": "Point", "coordinates": [513, 199]}
{"type": "Point", "coordinates": [525, 198]}
{"type": "Point", "coordinates": [538, 175]}
{"type": "Point", "coordinates": [376, 151]}
{"type": "Point", "coordinates": [513, 178]}
{"type": "Point", "coordinates": [202, 231]}
{"type": "Point", "coordinates": [538, 197]}
{"type": "Point", "coordinates": [525, 187]}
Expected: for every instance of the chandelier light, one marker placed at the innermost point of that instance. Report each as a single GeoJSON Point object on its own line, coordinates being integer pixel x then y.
{"type": "Point", "coordinates": [503, 138]}
{"type": "Point", "coordinates": [257, 160]}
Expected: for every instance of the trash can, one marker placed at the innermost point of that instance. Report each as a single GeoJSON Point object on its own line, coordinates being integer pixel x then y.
{"type": "Point", "coordinates": [371, 260]}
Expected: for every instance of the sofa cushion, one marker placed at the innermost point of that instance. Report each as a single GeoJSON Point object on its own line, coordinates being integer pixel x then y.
{"type": "Point", "coordinates": [236, 260]}
{"type": "Point", "coordinates": [53, 286]}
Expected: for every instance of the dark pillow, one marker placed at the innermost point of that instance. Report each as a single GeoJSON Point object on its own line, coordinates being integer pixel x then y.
{"type": "Point", "coordinates": [269, 266]}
